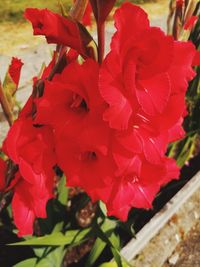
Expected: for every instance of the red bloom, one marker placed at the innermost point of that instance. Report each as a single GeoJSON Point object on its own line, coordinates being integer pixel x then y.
{"type": "Point", "coordinates": [180, 3]}
{"type": "Point", "coordinates": [57, 29]}
{"type": "Point", "coordinates": [87, 18]}
{"type": "Point", "coordinates": [138, 189]}
{"type": "Point", "coordinates": [111, 124]}
{"type": "Point", "coordinates": [29, 200]}
{"type": "Point", "coordinates": [85, 164]}
{"type": "Point", "coordinates": [15, 70]}
{"type": "Point", "coordinates": [3, 167]}
{"type": "Point", "coordinates": [196, 60]}
{"type": "Point", "coordinates": [69, 102]}
{"type": "Point", "coordinates": [32, 148]}
{"type": "Point", "coordinates": [142, 79]}
{"type": "Point", "coordinates": [190, 23]}
{"type": "Point", "coordinates": [74, 107]}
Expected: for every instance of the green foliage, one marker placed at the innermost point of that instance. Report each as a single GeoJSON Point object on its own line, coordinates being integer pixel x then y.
{"type": "Point", "coordinates": [27, 263]}
{"type": "Point", "coordinates": [119, 2]}
{"type": "Point", "coordinates": [56, 239]}
{"type": "Point", "coordinates": [62, 191]}
{"type": "Point", "coordinates": [113, 264]}
{"type": "Point", "coordinates": [185, 149]}
{"type": "Point", "coordinates": [12, 10]}
{"type": "Point", "coordinates": [104, 233]}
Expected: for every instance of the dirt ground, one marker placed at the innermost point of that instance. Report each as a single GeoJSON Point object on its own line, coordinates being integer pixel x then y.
{"type": "Point", "coordinates": [187, 253]}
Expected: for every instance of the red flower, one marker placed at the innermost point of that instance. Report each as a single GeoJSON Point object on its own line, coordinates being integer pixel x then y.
{"type": "Point", "coordinates": [57, 29]}
{"type": "Point", "coordinates": [138, 189]}
{"type": "Point", "coordinates": [196, 60]}
{"type": "Point", "coordinates": [22, 207]}
{"type": "Point", "coordinates": [145, 73]}
{"type": "Point", "coordinates": [3, 168]}
{"type": "Point", "coordinates": [32, 148]}
{"type": "Point", "coordinates": [86, 165]}
{"type": "Point", "coordinates": [15, 70]}
{"type": "Point", "coordinates": [74, 107]}
{"type": "Point", "coordinates": [87, 18]}
{"type": "Point", "coordinates": [69, 102]}
{"type": "Point", "coordinates": [180, 3]}
{"type": "Point", "coordinates": [29, 200]}
{"type": "Point", "coordinates": [190, 23]}
{"type": "Point", "coordinates": [111, 124]}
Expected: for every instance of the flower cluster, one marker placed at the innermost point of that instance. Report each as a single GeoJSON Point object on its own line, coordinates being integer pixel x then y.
{"type": "Point", "coordinates": [107, 126]}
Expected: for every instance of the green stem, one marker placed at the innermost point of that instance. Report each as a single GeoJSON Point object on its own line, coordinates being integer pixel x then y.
{"type": "Point", "coordinates": [6, 106]}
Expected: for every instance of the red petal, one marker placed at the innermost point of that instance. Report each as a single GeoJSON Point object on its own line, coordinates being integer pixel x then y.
{"type": "Point", "coordinates": [56, 28]}
{"type": "Point", "coordinates": [22, 212]}
{"type": "Point", "coordinates": [181, 70]}
{"type": "Point", "coordinates": [153, 94]}
{"type": "Point", "coordinates": [120, 110]}
{"type": "Point", "coordinates": [3, 168]}
{"type": "Point", "coordinates": [128, 14]}
{"type": "Point", "coordinates": [196, 60]}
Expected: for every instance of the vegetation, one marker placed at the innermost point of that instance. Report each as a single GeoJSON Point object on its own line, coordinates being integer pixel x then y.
{"type": "Point", "coordinates": [12, 10]}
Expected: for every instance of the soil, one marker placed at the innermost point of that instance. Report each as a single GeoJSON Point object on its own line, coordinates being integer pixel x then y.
{"type": "Point", "coordinates": [187, 253]}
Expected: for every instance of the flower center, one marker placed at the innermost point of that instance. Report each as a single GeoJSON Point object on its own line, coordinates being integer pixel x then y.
{"type": "Point", "coordinates": [78, 103]}
{"type": "Point", "coordinates": [132, 179]}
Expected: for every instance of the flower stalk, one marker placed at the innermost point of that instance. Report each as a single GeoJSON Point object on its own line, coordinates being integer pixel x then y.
{"type": "Point", "coordinates": [6, 107]}
{"type": "Point", "coordinates": [101, 41]}
{"type": "Point", "coordinates": [78, 9]}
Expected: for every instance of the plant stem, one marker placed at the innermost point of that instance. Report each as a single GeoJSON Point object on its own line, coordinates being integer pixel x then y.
{"type": "Point", "coordinates": [101, 41]}
{"type": "Point", "coordinates": [5, 106]}
{"type": "Point", "coordinates": [78, 9]}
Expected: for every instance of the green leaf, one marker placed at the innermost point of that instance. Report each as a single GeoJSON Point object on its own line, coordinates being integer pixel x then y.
{"type": "Point", "coordinates": [62, 191]}
{"type": "Point", "coordinates": [52, 259]}
{"type": "Point", "coordinates": [96, 251]}
{"type": "Point", "coordinates": [27, 263]}
{"type": "Point", "coordinates": [112, 264]}
{"type": "Point", "coordinates": [44, 263]}
{"type": "Point", "coordinates": [108, 264]}
{"type": "Point", "coordinates": [187, 151]}
{"type": "Point", "coordinates": [103, 208]}
{"type": "Point", "coordinates": [62, 9]}
{"type": "Point", "coordinates": [58, 227]}
{"type": "Point", "coordinates": [106, 233]}
{"type": "Point", "coordinates": [55, 239]}
{"type": "Point", "coordinates": [39, 252]}
{"type": "Point", "coordinates": [115, 240]}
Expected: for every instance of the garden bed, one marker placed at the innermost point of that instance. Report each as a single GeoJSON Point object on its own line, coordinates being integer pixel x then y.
{"type": "Point", "coordinates": [167, 228]}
